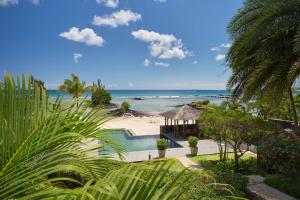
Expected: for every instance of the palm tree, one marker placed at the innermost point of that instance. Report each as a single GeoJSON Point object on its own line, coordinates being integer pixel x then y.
{"type": "Point", "coordinates": [40, 144]}
{"type": "Point", "coordinates": [74, 87]}
{"type": "Point", "coordinates": [264, 57]}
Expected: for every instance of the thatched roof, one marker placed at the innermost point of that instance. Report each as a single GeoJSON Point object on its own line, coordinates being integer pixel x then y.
{"type": "Point", "coordinates": [185, 112]}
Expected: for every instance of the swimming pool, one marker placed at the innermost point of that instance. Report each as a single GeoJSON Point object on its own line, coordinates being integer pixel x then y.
{"type": "Point", "coordinates": [138, 143]}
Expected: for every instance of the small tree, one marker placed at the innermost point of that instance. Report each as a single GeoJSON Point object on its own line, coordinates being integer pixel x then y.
{"type": "Point", "coordinates": [243, 130]}
{"type": "Point", "coordinates": [124, 107]}
{"type": "Point", "coordinates": [231, 124]}
{"type": "Point", "coordinates": [74, 87]}
{"type": "Point", "coordinates": [100, 96]}
{"type": "Point", "coordinates": [211, 122]}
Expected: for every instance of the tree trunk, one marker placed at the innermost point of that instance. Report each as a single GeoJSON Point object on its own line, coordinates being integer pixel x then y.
{"type": "Point", "coordinates": [295, 116]}
{"type": "Point", "coordinates": [236, 161]}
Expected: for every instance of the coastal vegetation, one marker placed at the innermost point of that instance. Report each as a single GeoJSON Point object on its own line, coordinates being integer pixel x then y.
{"type": "Point", "coordinates": [230, 125]}
{"type": "Point", "coordinates": [264, 57]}
{"type": "Point", "coordinates": [124, 107]}
{"type": "Point", "coordinates": [74, 86]}
{"type": "Point", "coordinates": [47, 154]}
{"type": "Point", "coordinates": [100, 96]}
{"type": "Point", "coordinates": [44, 149]}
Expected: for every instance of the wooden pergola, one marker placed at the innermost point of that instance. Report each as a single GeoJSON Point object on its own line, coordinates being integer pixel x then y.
{"type": "Point", "coordinates": [185, 113]}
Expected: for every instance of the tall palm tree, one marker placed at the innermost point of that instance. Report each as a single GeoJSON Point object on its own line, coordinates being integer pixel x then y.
{"type": "Point", "coordinates": [264, 57]}
{"type": "Point", "coordinates": [74, 87]}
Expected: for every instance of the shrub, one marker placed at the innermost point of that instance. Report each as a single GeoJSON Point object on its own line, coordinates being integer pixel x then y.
{"type": "Point", "coordinates": [162, 144]}
{"type": "Point", "coordinates": [280, 154]}
{"type": "Point", "coordinates": [125, 106]}
{"type": "Point", "coordinates": [193, 141]}
{"type": "Point", "coordinates": [205, 102]}
{"type": "Point", "coordinates": [100, 95]}
{"type": "Point", "coordinates": [236, 180]}
{"type": "Point", "coordinates": [290, 185]}
{"type": "Point", "coordinates": [247, 166]}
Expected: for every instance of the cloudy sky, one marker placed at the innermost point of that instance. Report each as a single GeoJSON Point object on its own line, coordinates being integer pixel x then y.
{"type": "Point", "coordinates": [129, 44]}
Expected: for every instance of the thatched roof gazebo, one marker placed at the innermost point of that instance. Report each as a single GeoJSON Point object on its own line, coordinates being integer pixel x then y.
{"type": "Point", "coordinates": [184, 113]}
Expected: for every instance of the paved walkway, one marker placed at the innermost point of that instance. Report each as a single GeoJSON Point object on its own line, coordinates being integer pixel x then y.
{"type": "Point", "coordinates": [186, 162]}
{"type": "Point", "coordinates": [205, 147]}
{"type": "Point", "coordinates": [257, 187]}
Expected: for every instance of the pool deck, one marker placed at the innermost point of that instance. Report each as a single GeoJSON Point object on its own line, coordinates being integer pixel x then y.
{"type": "Point", "coordinates": [205, 146]}
{"type": "Point", "coordinates": [141, 126]}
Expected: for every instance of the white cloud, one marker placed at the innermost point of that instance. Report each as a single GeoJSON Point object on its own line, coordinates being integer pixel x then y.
{"type": "Point", "coordinates": [4, 3]}
{"type": "Point", "coordinates": [161, 1]}
{"type": "Point", "coordinates": [147, 62]}
{"type": "Point", "coordinates": [227, 45]}
{"type": "Point", "coordinates": [86, 36]}
{"type": "Point", "coordinates": [222, 46]}
{"type": "Point", "coordinates": [195, 62]}
{"type": "Point", "coordinates": [164, 46]}
{"type": "Point", "coordinates": [109, 3]}
{"type": "Point", "coordinates": [76, 57]}
{"type": "Point", "coordinates": [122, 17]}
{"type": "Point", "coordinates": [220, 57]}
{"type": "Point", "coordinates": [130, 84]}
{"type": "Point", "coordinates": [215, 49]}
{"type": "Point", "coordinates": [162, 64]}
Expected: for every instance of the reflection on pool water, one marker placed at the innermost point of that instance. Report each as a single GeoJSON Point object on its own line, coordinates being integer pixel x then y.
{"type": "Point", "coordinates": [138, 143]}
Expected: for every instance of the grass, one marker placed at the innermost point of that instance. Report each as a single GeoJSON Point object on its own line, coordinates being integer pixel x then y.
{"type": "Point", "coordinates": [289, 185]}
{"type": "Point", "coordinates": [215, 157]}
{"type": "Point", "coordinates": [224, 172]}
{"type": "Point", "coordinates": [176, 167]}
{"type": "Point", "coordinates": [209, 162]}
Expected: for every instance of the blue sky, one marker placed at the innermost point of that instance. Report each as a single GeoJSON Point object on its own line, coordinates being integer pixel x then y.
{"type": "Point", "coordinates": [129, 44]}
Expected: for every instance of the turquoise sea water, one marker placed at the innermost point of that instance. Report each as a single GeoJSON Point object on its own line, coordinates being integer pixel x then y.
{"type": "Point", "coordinates": [157, 100]}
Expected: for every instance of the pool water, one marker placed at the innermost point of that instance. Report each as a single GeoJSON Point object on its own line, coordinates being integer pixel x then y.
{"type": "Point", "coordinates": [138, 143]}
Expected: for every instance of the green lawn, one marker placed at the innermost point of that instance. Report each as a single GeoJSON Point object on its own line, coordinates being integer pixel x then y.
{"type": "Point", "coordinates": [215, 157]}
{"type": "Point", "coordinates": [176, 167]}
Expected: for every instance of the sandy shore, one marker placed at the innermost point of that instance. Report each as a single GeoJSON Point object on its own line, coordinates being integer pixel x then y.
{"type": "Point", "coordinates": [137, 125]}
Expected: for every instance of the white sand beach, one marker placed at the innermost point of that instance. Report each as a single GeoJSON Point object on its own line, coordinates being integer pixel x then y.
{"type": "Point", "coordinates": [137, 125]}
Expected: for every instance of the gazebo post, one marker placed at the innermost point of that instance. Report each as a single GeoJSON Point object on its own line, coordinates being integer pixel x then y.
{"type": "Point", "coordinates": [183, 127]}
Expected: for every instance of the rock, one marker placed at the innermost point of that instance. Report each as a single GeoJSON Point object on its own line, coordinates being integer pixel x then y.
{"type": "Point", "coordinates": [138, 98]}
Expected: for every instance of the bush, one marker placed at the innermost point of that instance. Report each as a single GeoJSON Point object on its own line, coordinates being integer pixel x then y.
{"type": "Point", "coordinates": [236, 180]}
{"type": "Point", "coordinates": [247, 166]}
{"type": "Point", "coordinates": [100, 95]}
{"type": "Point", "coordinates": [193, 141]}
{"type": "Point", "coordinates": [280, 154]}
{"type": "Point", "coordinates": [289, 185]}
{"type": "Point", "coordinates": [162, 144]}
{"type": "Point", "coordinates": [205, 102]}
{"type": "Point", "coordinates": [124, 107]}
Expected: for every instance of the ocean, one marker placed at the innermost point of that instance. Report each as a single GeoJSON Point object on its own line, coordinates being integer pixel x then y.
{"type": "Point", "coordinates": [156, 100]}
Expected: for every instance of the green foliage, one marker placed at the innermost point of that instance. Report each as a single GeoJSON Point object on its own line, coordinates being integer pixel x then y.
{"type": "Point", "coordinates": [280, 154]}
{"type": "Point", "coordinates": [231, 124]}
{"type": "Point", "coordinates": [124, 106]}
{"type": "Point", "coordinates": [46, 152]}
{"type": "Point", "coordinates": [264, 57]}
{"type": "Point", "coordinates": [74, 87]}
{"type": "Point", "coordinates": [211, 162]}
{"type": "Point", "coordinates": [193, 141]}
{"type": "Point", "coordinates": [162, 144]}
{"type": "Point", "coordinates": [287, 184]}
{"type": "Point", "coordinates": [268, 107]}
{"type": "Point", "coordinates": [236, 180]}
{"type": "Point", "coordinates": [100, 96]}
{"type": "Point", "coordinates": [246, 166]}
